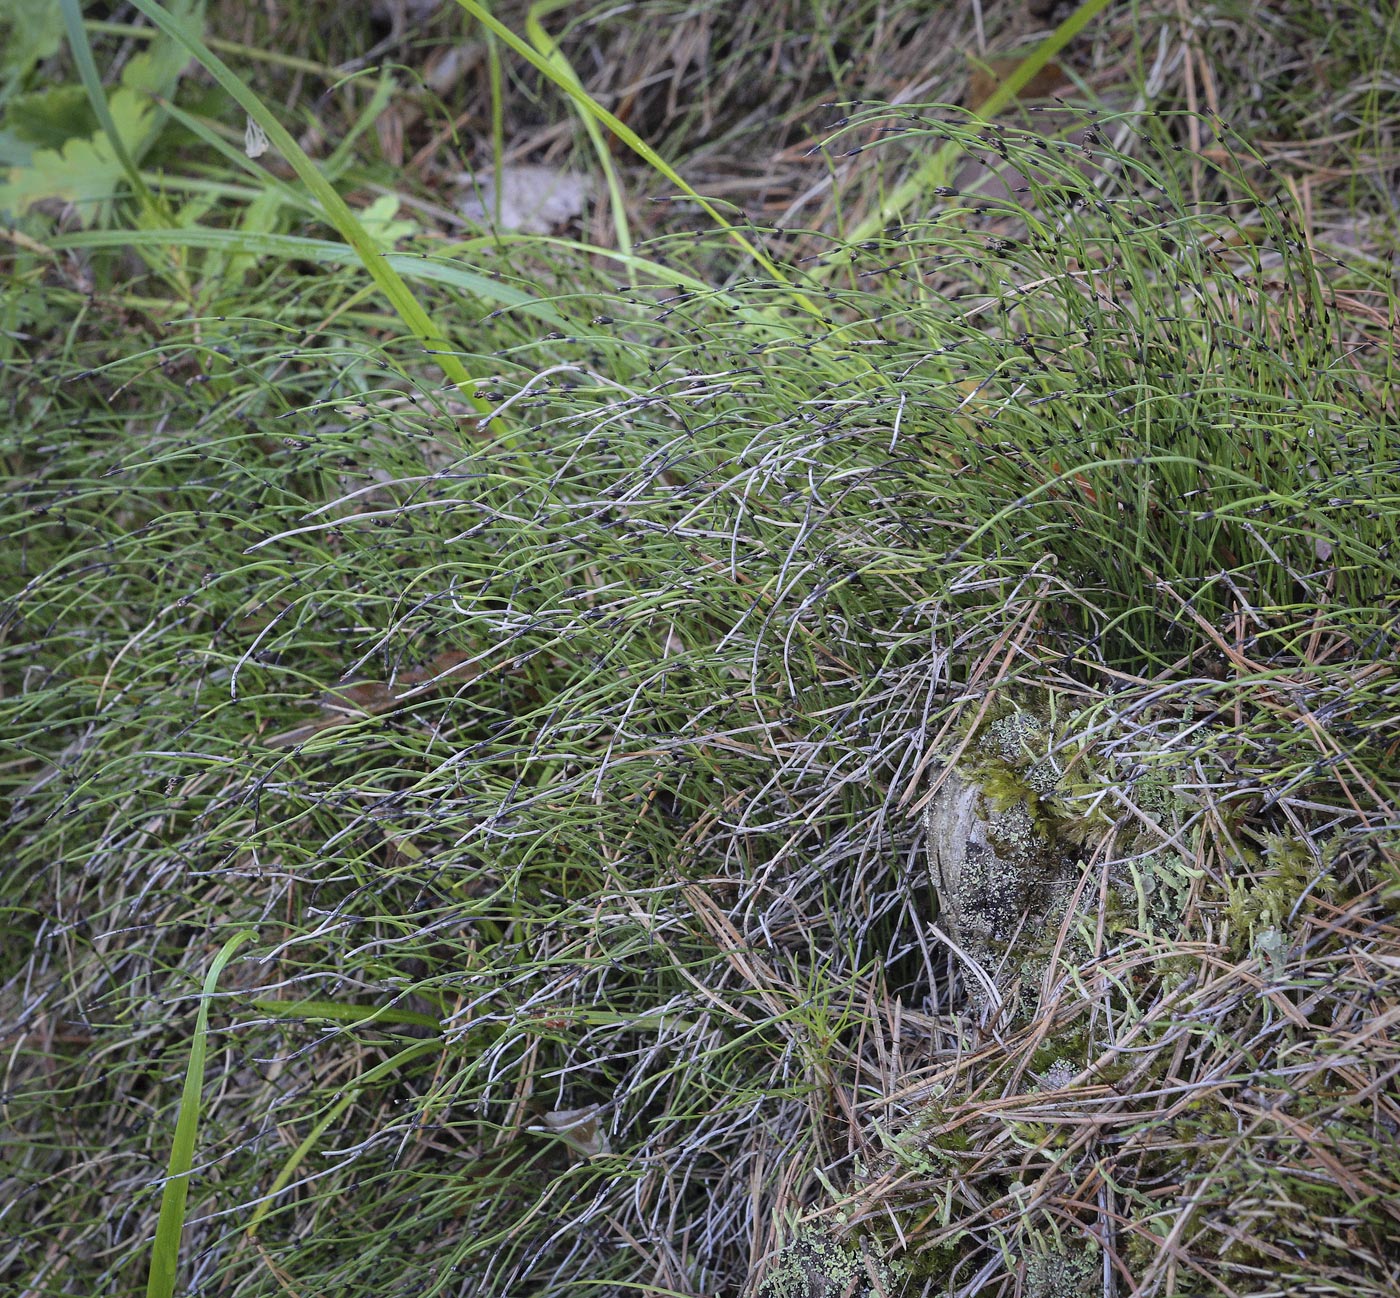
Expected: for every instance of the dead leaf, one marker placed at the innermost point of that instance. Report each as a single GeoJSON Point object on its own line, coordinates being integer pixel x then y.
{"type": "Point", "coordinates": [579, 1129]}
{"type": "Point", "coordinates": [989, 74]}
{"type": "Point", "coordinates": [359, 699]}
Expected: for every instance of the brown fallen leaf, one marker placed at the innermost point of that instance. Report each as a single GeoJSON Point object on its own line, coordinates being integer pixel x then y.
{"type": "Point", "coordinates": [989, 74]}
{"type": "Point", "coordinates": [359, 699]}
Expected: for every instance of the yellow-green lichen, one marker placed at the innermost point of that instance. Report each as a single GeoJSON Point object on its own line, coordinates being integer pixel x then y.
{"type": "Point", "coordinates": [1018, 738]}
{"type": "Point", "coordinates": [818, 1264]}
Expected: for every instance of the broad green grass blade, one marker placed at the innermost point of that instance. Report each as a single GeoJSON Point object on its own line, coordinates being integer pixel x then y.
{"type": "Point", "coordinates": [337, 211]}
{"type": "Point", "coordinates": [935, 171]}
{"type": "Point", "coordinates": [165, 1252]}
{"type": "Point", "coordinates": [498, 119]}
{"type": "Point", "coordinates": [97, 98]}
{"type": "Point", "coordinates": [592, 109]}
{"type": "Point", "coordinates": [566, 74]}
{"type": "Point", "coordinates": [323, 251]}
{"type": "Point", "coordinates": [595, 111]}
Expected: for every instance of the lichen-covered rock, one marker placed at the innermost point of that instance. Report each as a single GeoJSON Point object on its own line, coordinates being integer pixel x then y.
{"type": "Point", "coordinates": [1033, 794]}
{"type": "Point", "coordinates": [997, 873]}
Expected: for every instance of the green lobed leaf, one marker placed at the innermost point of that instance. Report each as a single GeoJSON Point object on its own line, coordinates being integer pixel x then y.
{"type": "Point", "coordinates": [48, 119]}
{"type": "Point", "coordinates": [30, 31]}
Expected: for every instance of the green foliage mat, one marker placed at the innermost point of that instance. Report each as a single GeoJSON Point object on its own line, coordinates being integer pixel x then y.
{"type": "Point", "coordinates": [566, 757]}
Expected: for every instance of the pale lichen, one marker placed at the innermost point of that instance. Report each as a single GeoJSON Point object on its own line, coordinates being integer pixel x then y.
{"type": "Point", "coordinates": [1017, 738]}
{"type": "Point", "coordinates": [818, 1264]}
{"type": "Point", "coordinates": [1070, 1271]}
{"type": "Point", "coordinates": [1060, 1073]}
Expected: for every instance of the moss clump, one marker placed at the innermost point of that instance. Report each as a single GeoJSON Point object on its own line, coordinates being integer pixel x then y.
{"type": "Point", "coordinates": [1012, 764]}
{"type": "Point", "coordinates": [1290, 882]}
{"type": "Point", "coordinates": [926, 1144]}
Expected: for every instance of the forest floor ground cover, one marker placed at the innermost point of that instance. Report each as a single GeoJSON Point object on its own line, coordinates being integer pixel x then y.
{"type": "Point", "coordinates": [480, 703]}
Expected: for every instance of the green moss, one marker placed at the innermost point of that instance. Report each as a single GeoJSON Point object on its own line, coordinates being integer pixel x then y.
{"type": "Point", "coordinates": [1011, 763]}
{"type": "Point", "coordinates": [931, 1263]}
{"type": "Point", "coordinates": [1003, 788]}
{"type": "Point", "coordinates": [1290, 881]}
{"type": "Point", "coordinates": [924, 1145]}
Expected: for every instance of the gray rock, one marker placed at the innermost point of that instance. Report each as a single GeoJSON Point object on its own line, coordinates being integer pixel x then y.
{"type": "Point", "coordinates": [1001, 880]}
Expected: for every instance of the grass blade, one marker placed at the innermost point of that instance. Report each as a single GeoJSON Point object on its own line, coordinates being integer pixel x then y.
{"type": "Point", "coordinates": [337, 211]}
{"type": "Point", "coordinates": [323, 251]}
{"type": "Point", "coordinates": [596, 112]}
{"type": "Point", "coordinates": [97, 98]}
{"type": "Point", "coordinates": [165, 1252]}
{"type": "Point", "coordinates": [566, 74]}
{"type": "Point", "coordinates": [935, 171]}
